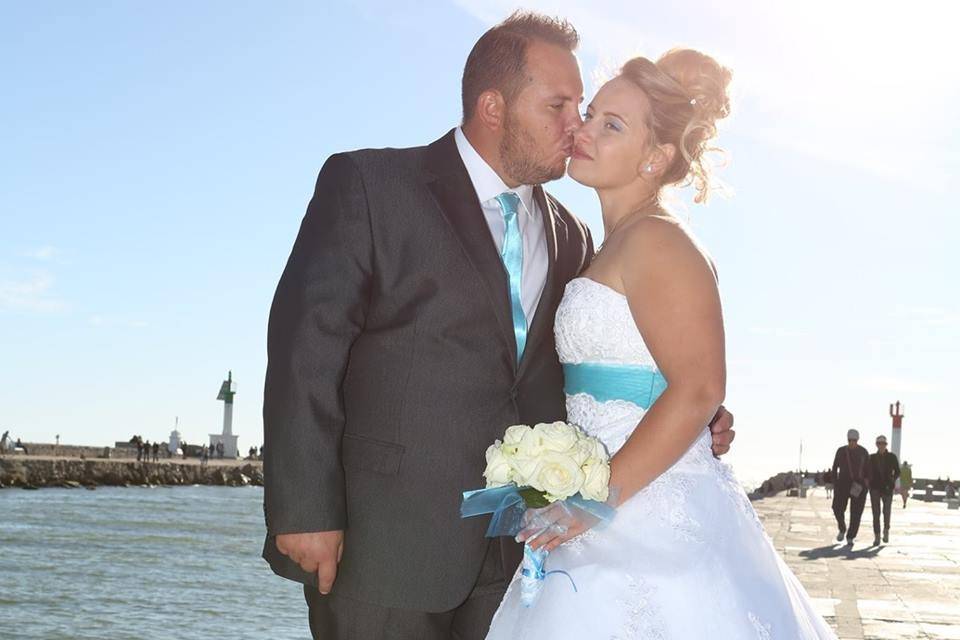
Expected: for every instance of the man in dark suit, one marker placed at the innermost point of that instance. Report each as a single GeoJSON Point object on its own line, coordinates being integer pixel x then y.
{"type": "Point", "coordinates": [405, 336]}
{"type": "Point", "coordinates": [884, 471]}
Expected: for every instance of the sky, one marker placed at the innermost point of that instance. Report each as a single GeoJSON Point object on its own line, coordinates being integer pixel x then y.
{"type": "Point", "coordinates": [156, 160]}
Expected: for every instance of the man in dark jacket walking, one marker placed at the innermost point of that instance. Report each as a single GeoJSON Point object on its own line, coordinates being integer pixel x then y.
{"type": "Point", "coordinates": [884, 471]}
{"type": "Point", "coordinates": [850, 472]}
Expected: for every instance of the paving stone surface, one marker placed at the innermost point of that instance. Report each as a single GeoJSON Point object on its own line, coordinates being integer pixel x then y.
{"type": "Point", "coordinates": [904, 590]}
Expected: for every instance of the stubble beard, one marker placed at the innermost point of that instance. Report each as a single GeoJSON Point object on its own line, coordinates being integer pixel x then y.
{"type": "Point", "coordinates": [521, 162]}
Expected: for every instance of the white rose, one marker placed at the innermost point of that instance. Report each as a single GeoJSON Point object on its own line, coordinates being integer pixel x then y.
{"type": "Point", "coordinates": [584, 451]}
{"type": "Point", "coordinates": [515, 434]}
{"type": "Point", "coordinates": [598, 450]}
{"type": "Point", "coordinates": [512, 438]}
{"type": "Point", "coordinates": [596, 484]}
{"type": "Point", "coordinates": [531, 444]}
{"type": "Point", "coordinates": [558, 436]}
{"type": "Point", "coordinates": [558, 475]}
{"type": "Point", "coordinates": [522, 469]}
{"type": "Point", "coordinates": [498, 469]}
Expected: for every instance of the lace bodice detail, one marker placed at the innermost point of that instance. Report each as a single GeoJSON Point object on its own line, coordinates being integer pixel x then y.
{"type": "Point", "coordinates": [594, 324]}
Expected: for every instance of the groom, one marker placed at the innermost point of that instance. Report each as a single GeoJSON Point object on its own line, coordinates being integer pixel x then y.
{"type": "Point", "coordinates": [412, 324]}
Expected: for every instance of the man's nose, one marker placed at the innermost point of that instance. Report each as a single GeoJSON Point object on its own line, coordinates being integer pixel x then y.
{"type": "Point", "coordinates": [581, 135]}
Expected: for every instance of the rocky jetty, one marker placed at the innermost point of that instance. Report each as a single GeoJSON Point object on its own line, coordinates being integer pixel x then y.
{"type": "Point", "coordinates": [34, 473]}
{"type": "Point", "coordinates": [783, 481]}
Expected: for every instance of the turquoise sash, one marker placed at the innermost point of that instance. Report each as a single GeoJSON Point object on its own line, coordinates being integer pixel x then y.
{"type": "Point", "coordinates": [639, 384]}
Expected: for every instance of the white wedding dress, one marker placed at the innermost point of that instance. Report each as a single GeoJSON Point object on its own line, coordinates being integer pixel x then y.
{"type": "Point", "coordinates": [685, 558]}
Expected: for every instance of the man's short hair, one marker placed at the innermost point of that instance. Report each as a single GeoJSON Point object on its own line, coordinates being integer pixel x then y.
{"type": "Point", "coordinates": [498, 59]}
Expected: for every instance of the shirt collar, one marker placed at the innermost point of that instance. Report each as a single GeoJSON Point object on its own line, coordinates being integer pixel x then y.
{"type": "Point", "coordinates": [486, 182]}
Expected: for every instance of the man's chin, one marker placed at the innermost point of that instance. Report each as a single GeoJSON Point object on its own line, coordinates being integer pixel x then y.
{"type": "Point", "coordinates": [557, 172]}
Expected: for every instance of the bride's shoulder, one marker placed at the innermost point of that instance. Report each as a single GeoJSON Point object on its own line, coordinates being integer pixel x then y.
{"type": "Point", "coordinates": [662, 239]}
{"type": "Point", "coordinates": [658, 230]}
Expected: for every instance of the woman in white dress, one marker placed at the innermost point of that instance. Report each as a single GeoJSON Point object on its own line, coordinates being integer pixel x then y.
{"type": "Point", "coordinates": [641, 337]}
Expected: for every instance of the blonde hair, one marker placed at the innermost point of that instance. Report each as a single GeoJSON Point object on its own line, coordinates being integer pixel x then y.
{"type": "Point", "coordinates": [688, 92]}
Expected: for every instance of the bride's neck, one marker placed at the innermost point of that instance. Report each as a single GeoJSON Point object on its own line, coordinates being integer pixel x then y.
{"type": "Point", "coordinates": [619, 204]}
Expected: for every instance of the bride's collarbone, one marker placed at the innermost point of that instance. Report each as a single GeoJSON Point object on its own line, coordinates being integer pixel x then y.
{"type": "Point", "coordinates": [606, 266]}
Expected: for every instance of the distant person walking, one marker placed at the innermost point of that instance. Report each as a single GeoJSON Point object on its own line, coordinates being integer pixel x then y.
{"type": "Point", "coordinates": [884, 471]}
{"type": "Point", "coordinates": [139, 449]}
{"type": "Point", "coordinates": [4, 442]}
{"type": "Point", "coordinates": [204, 456]}
{"type": "Point", "coordinates": [156, 452]}
{"type": "Point", "coordinates": [849, 470]}
{"type": "Point", "coordinates": [906, 481]}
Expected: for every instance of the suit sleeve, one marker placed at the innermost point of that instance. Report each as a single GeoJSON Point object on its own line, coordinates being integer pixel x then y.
{"type": "Point", "coordinates": [318, 311]}
{"type": "Point", "coordinates": [835, 469]}
{"type": "Point", "coordinates": [896, 467]}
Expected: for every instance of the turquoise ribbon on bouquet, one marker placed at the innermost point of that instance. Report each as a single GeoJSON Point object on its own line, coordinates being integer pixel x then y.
{"type": "Point", "coordinates": [505, 503]}
{"type": "Point", "coordinates": [507, 506]}
{"type": "Point", "coordinates": [537, 560]}
{"type": "Point", "coordinates": [639, 384]}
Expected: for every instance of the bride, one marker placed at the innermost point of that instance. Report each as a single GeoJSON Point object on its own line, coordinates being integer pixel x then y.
{"type": "Point", "coordinates": [641, 338]}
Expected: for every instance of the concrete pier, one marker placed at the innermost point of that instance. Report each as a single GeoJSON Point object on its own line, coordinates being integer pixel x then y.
{"type": "Point", "coordinates": [907, 589]}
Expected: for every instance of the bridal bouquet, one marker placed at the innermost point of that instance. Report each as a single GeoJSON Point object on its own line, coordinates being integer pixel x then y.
{"type": "Point", "coordinates": [533, 470]}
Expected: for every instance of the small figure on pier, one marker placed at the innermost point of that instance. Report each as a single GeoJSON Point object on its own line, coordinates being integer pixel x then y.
{"type": "Point", "coordinates": [906, 481]}
{"type": "Point", "coordinates": [849, 470]}
{"type": "Point", "coordinates": [884, 471]}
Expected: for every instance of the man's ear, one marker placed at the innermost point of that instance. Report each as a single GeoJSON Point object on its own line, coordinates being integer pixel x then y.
{"type": "Point", "coordinates": [491, 110]}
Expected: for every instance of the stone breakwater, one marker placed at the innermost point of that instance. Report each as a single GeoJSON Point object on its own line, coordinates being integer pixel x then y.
{"type": "Point", "coordinates": [34, 473]}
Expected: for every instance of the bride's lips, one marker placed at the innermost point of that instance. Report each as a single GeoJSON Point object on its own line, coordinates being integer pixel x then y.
{"type": "Point", "coordinates": [580, 154]}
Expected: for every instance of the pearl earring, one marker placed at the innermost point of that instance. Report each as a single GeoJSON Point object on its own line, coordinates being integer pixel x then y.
{"type": "Point", "coordinates": [649, 168]}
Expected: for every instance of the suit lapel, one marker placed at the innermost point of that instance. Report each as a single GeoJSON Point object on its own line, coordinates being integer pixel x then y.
{"type": "Point", "coordinates": [450, 185]}
{"type": "Point", "coordinates": [543, 317]}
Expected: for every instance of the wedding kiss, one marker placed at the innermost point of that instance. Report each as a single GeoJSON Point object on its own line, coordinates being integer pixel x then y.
{"type": "Point", "coordinates": [437, 295]}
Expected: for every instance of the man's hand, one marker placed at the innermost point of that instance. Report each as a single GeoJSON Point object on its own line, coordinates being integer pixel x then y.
{"type": "Point", "coordinates": [722, 429]}
{"type": "Point", "coordinates": [316, 552]}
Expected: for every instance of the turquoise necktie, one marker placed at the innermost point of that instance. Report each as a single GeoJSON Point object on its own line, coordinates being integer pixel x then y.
{"type": "Point", "coordinates": [512, 256]}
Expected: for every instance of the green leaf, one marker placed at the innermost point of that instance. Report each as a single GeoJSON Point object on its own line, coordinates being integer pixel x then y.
{"type": "Point", "coordinates": [533, 498]}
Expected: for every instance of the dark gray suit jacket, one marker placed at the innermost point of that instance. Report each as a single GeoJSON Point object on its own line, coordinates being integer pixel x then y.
{"type": "Point", "coordinates": [392, 367]}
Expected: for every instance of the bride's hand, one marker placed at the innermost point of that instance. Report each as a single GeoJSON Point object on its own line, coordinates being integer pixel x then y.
{"type": "Point", "coordinates": [551, 526]}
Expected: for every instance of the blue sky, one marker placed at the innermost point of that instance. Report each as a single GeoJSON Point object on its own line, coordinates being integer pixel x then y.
{"type": "Point", "coordinates": [156, 159]}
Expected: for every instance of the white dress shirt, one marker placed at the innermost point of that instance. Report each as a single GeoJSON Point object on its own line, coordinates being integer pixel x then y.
{"type": "Point", "coordinates": [488, 186]}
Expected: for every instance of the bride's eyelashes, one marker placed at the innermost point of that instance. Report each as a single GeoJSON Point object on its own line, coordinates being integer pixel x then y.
{"type": "Point", "coordinates": [610, 125]}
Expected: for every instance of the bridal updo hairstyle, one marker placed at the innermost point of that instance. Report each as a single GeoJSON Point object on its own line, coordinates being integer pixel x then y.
{"type": "Point", "coordinates": [688, 95]}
